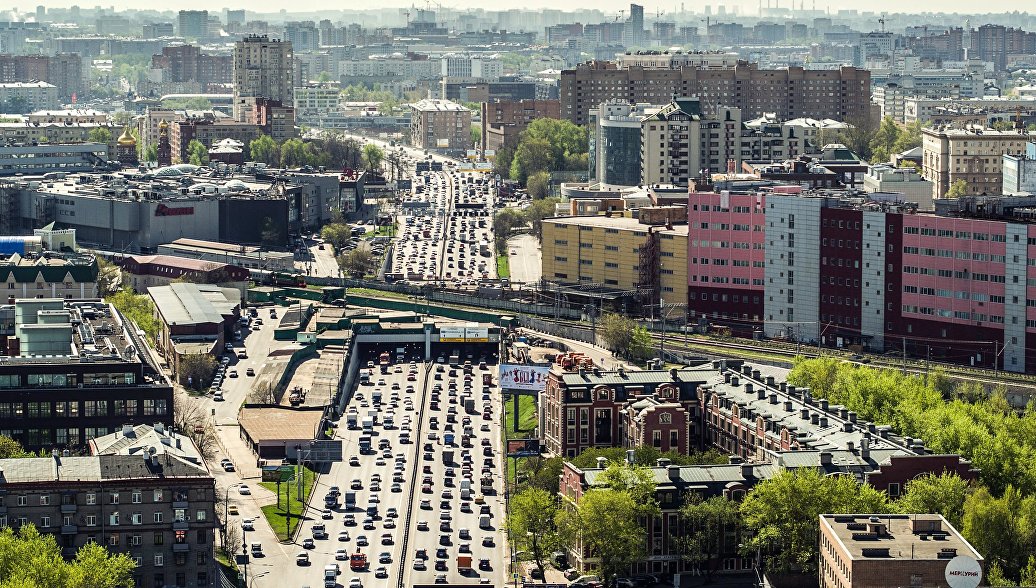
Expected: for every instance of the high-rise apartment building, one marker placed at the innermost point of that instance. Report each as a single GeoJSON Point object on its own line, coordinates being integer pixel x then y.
{"type": "Point", "coordinates": [633, 32]}
{"type": "Point", "coordinates": [64, 70]}
{"type": "Point", "coordinates": [193, 24]}
{"type": "Point", "coordinates": [262, 69]}
{"type": "Point", "coordinates": [615, 142]}
{"type": "Point", "coordinates": [794, 92]}
{"type": "Point", "coordinates": [440, 124]}
{"type": "Point", "coordinates": [990, 44]}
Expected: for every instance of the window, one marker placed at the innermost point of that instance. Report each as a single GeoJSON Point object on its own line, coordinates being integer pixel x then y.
{"type": "Point", "coordinates": [114, 498]}
{"type": "Point", "coordinates": [136, 497]}
{"type": "Point", "coordinates": [159, 560]}
{"type": "Point", "coordinates": [157, 497]}
{"type": "Point", "coordinates": [159, 537]}
{"type": "Point", "coordinates": [45, 522]}
{"type": "Point", "coordinates": [656, 438]}
{"type": "Point", "coordinates": [200, 516]}
{"type": "Point", "coordinates": [91, 520]}
{"type": "Point", "coordinates": [893, 489]}
{"type": "Point", "coordinates": [158, 517]}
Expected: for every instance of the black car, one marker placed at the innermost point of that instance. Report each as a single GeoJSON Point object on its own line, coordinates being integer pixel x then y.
{"type": "Point", "coordinates": [441, 553]}
{"type": "Point", "coordinates": [440, 565]}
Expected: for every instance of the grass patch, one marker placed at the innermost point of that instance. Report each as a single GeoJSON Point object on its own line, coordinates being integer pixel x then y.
{"type": "Point", "coordinates": [377, 293]}
{"type": "Point", "coordinates": [503, 266]}
{"type": "Point", "coordinates": [277, 514]}
{"type": "Point", "coordinates": [381, 231]}
{"type": "Point", "coordinates": [526, 416]}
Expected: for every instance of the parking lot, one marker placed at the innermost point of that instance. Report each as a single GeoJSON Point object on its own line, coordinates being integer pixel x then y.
{"type": "Point", "coordinates": [446, 231]}
{"type": "Point", "coordinates": [409, 497]}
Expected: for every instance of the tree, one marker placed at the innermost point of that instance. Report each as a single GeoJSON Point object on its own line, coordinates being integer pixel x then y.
{"type": "Point", "coordinates": [197, 368]}
{"type": "Point", "coordinates": [9, 448]}
{"type": "Point", "coordinates": [502, 162]}
{"type": "Point", "coordinates": [373, 156]}
{"type": "Point", "coordinates": [543, 473]}
{"type": "Point", "coordinates": [197, 153]}
{"type": "Point", "coordinates": [532, 524]}
{"type": "Point", "coordinates": [339, 152]}
{"type": "Point", "coordinates": [909, 137]}
{"type": "Point", "coordinates": [262, 393]}
{"type": "Point", "coordinates": [138, 308]}
{"type": "Point", "coordinates": [336, 234]}
{"type": "Point", "coordinates": [929, 493]}
{"type": "Point", "coordinates": [957, 189]}
{"type": "Point", "coordinates": [294, 153]}
{"type": "Point", "coordinates": [109, 277]}
{"type": "Point", "coordinates": [505, 221]}
{"type": "Point", "coordinates": [884, 140]}
{"type": "Point", "coordinates": [1002, 529]}
{"type": "Point", "coordinates": [539, 210]}
{"type": "Point", "coordinates": [150, 153]}
{"type": "Point", "coordinates": [476, 136]}
{"type": "Point", "coordinates": [264, 149]}
{"type": "Point", "coordinates": [191, 418]}
{"type": "Point", "coordinates": [624, 337]}
{"type": "Point", "coordinates": [857, 137]}
{"type": "Point", "coordinates": [783, 514]}
{"type": "Point", "coordinates": [707, 522]}
{"type": "Point", "coordinates": [538, 185]}
{"type": "Point", "coordinates": [99, 135]}
{"type": "Point", "coordinates": [29, 559]}
{"type": "Point", "coordinates": [635, 480]}
{"type": "Point", "coordinates": [606, 522]}
{"type": "Point", "coordinates": [358, 262]}
{"type": "Point", "coordinates": [531, 156]}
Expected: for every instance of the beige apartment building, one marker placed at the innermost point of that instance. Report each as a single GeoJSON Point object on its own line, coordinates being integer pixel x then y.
{"type": "Point", "coordinates": [973, 155]}
{"type": "Point", "coordinates": [618, 252]}
{"type": "Point", "coordinates": [678, 142]}
{"type": "Point", "coordinates": [262, 69]}
{"type": "Point", "coordinates": [440, 124]}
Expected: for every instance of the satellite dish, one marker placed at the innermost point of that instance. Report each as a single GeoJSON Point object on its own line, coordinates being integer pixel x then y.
{"type": "Point", "coordinates": [963, 572]}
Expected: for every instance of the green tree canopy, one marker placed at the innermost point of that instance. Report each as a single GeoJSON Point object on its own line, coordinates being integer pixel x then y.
{"type": "Point", "coordinates": [784, 514]}
{"type": "Point", "coordinates": [29, 559]}
{"type": "Point", "coordinates": [944, 494]}
{"type": "Point", "coordinates": [532, 523]}
{"type": "Point", "coordinates": [373, 156]}
{"type": "Point", "coordinates": [99, 135]}
{"type": "Point", "coordinates": [708, 522]}
{"type": "Point", "coordinates": [197, 153]}
{"type": "Point", "coordinates": [9, 448]}
{"type": "Point", "coordinates": [336, 234]}
{"type": "Point", "coordinates": [957, 189]}
{"type": "Point", "coordinates": [264, 149]}
{"type": "Point", "coordinates": [137, 308]}
{"type": "Point", "coordinates": [607, 523]}
{"type": "Point", "coordinates": [548, 145]}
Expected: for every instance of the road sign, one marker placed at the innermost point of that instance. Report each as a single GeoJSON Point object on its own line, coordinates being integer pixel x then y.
{"type": "Point", "coordinates": [326, 450]}
{"type": "Point", "coordinates": [523, 447]}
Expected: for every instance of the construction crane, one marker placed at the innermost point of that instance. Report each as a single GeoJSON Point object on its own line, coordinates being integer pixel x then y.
{"type": "Point", "coordinates": [622, 13]}
{"type": "Point", "coordinates": [882, 21]}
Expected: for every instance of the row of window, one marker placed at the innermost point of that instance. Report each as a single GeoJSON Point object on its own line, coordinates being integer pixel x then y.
{"type": "Point", "coordinates": [952, 254]}
{"type": "Point", "coordinates": [136, 497]}
{"type": "Point", "coordinates": [89, 408]}
{"type": "Point", "coordinates": [930, 232]}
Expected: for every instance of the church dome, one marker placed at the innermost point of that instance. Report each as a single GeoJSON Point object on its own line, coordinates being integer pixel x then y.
{"type": "Point", "coordinates": [126, 139]}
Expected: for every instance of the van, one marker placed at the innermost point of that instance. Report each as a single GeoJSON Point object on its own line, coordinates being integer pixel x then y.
{"type": "Point", "coordinates": [330, 576]}
{"type": "Point", "coordinates": [319, 531]}
{"type": "Point", "coordinates": [483, 522]}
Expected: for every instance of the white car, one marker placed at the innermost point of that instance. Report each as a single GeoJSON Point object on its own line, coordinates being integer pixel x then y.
{"type": "Point", "coordinates": [247, 524]}
{"type": "Point", "coordinates": [355, 582]}
{"type": "Point", "coordinates": [244, 490]}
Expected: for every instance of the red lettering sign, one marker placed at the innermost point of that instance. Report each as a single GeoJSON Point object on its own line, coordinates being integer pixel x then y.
{"type": "Point", "coordinates": [164, 210]}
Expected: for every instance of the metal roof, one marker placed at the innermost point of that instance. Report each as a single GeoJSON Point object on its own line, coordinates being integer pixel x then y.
{"type": "Point", "coordinates": [184, 304]}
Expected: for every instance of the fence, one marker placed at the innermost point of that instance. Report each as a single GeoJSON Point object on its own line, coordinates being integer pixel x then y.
{"type": "Point", "coordinates": [572, 332]}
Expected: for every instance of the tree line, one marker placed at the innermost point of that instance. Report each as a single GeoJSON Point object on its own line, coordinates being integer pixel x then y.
{"type": "Point", "coordinates": [332, 151]}
{"type": "Point", "coordinates": [546, 145]}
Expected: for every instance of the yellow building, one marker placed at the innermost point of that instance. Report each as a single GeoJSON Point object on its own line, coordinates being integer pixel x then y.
{"type": "Point", "coordinates": [618, 253]}
{"type": "Point", "coordinates": [972, 155]}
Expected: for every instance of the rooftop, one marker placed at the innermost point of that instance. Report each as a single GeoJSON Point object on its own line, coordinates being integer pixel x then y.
{"type": "Point", "coordinates": [622, 223]}
{"type": "Point", "coordinates": [187, 304]}
{"type": "Point", "coordinates": [151, 439]}
{"type": "Point", "coordinates": [274, 423]}
{"type": "Point", "coordinates": [96, 468]}
{"type": "Point", "coordinates": [436, 105]}
{"type": "Point", "coordinates": [897, 537]}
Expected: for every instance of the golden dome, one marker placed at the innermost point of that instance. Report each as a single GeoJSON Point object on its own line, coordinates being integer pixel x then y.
{"type": "Point", "coordinates": [126, 139]}
{"type": "Point", "coordinates": [163, 125]}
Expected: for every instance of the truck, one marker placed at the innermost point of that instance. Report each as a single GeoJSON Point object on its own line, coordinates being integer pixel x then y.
{"type": "Point", "coordinates": [469, 405]}
{"type": "Point", "coordinates": [372, 414]}
{"type": "Point", "coordinates": [463, 564]}
{"type": "Point", "coordinates": [388, 421]}
{"type": "Point", "coordinates": [447, 456]}
{"type": "Point", "coordinates": [365, 444]}
{"type": "Point", "coordinates": [368, 426]}
{"type": "Point", "coordinates": [448, 439]}
{"type": "Point", "coordinates": [376, 397]}
{"type": "Point", "coordinates": [455, 361]}
{"type": "Point", "coordinates": [357, 562]}
{"type": "Point", "coordinates": [351, 419]}
{"type": "Point", "coordinates": [330, 576]}
{"type": "Point", "coordinates": [384, 360]}
{"type": "Point", "coordinates": [350, 500]}
{"type": "Point", "coordinates": [487, 484]}
{"type": "Point", "coordinates": [319, 531]}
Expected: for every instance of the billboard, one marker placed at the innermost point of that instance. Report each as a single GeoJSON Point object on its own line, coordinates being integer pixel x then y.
{"type": "Point", "coordinates": [281, 473]}
{"type": "Point", "coordinates": [442, 143]}
{"type": "Point", "coordinates": [451, 334]}
{"type": "Point", "coordinates": [523, 377]}
{"type": "Point", "coordinates": [476, 334]}
{"type": "Point", "coordinates": [523, 447]}
{"type": "Point", "coordinates": [460, 334]}
{"type": "Point", "coordinates": [326, 450]}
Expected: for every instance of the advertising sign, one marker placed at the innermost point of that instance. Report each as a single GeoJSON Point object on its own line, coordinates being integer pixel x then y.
{"type": "Point", "coordinates": [326, 450]}
{"type": "Point", "coordinates": [963, 572]}
{"type": "Point", "coordinates": [523, 447]}
{"type": "Point", "coordinates": [523, 377]}
{"type": "Point", "coordinates": [476, 334]}
{"type": "Point", "coordinates": [276, 473]}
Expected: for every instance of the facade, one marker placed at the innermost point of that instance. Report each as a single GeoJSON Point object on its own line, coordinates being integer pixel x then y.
{"type": "Point", "coordinates": [616, 142]}
{"type": "Point", "coordinates": [30, 275]}
{"type": "Point", "coordinates": [790, 93]}
{"type": "Point", "coordinates": [471, 67]}
{"type": "Point", "coordinates": [158, 510]}
{"type": "Point", "coordinates": [194, 318]}
{"type": "Point", "coordinates": [671, 150]}
{"type": "Point", "coordinates": [972, 155]}
{"type": "Point", "coordinates": [63, 69]}
{"type": "Point", "coordinates": [315, 100]}
{"type": "Point", "coordinates": [209, 132]}
{"type": "Point", "coordinates": [1020, 172]}
{"type": "Point", "coordinates": [193, 24]}
{"type": "Point", "coordinates": [633, 260]}
{"type": "Point", "coordinates": [29, 96]}
{"type": "Point", "coordinates": [818, 268]}
{"type": "Point", "coordinates": [145, 271]}
{"type": "Point", "coordinates": [904, 181]}
{"type": "Point", "coordinates": [504, 120]}
{"type": "Point", "coordinates": [81, 389]}
{"type": "Point", "coordinates": [440, 124]}
{"type": "Point", "coordinates": [242, 256]}
{"type": "Point", "coordinates": [47, 158]}
{"type": "Point", "coordinates": [262, 69]}
{"type": "Point", "coordinates": [181, 64]}
{"type": "Point", "coordinates": [872, 551]}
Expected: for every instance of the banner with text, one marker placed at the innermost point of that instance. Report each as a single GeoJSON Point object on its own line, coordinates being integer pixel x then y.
{"type": "Point", "coordinates": [523, 377]}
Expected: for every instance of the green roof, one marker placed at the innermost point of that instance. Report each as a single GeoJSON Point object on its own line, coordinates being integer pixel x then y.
{"type": "Point", "coordinates": [52, 272]}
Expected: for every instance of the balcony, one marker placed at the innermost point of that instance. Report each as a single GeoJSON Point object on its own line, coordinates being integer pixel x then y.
{"type": "Point", "coordinates": [181, 525]}
{"type": "Point", "coordinates": [181, 547]}
{"type": "Point", "coordinates": [180, 504]}
{"type": "Point", "coordinates": [69, 508]}
{"type": "Point", "coordinates": [69, 529]}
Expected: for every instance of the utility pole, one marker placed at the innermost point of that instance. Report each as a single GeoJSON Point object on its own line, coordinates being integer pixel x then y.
{"type": "Point", "coordinates": [661, 342]}
{"type": "Point", "coordinates": [904, 356]}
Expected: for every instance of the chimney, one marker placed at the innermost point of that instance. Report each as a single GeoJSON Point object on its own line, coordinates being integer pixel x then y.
{"type": "Point", "coordinates": [804, 413]}
{"type": "Point", "coordinates": [865, 449]}
{"type": "Point", "coordinates": [749, 387]}
{"type": "Point", "coordinates": [127, 430]}
{"type": "Point", "coordinates": [792, 390]}
{"type": "Point", "coordinates": [663, 462]}
{"type": "Point", "coordinates": [824, 404]}
{"type": "Point", "coordinates": [673, 373]}
{"type": "Point", "coordinates": [621, 371]}
{"type": "Point", "coordinates": [159, 428]}
{"type": "Point", "coordinates": [773, 399]}
{"type": "Point", "coordinates": [825, 458]}
{"type": "Point", "coordinates": [807, 397]}
{"type": "Point", "coordinates": [823, 422]}
{"type": "Point", "coordinates": [871, 427]}
{"type": "Point", "coordinates": [735, 381]}
{"type": "Point", "coordinates": [783, 386]}
{"type": "Point", "coordinates": [756, 375]}
{"type": "Point", "coordinates": [769, 381]}
{"type": "Point", "coordinates": [630, 459]}
{"type": "Point", "coordinates": [815, 418]}
{"type": "Point", "coordinates": [746, 370]}
{"type": "Point", "coordinates": [735, 459]}
{"type": "Point", "coordinates": [788, 406]}
{"type": "Point", "coordinates": [726, 377]}
{"type": "Point", "coordinates": [852, 417]}
{"type": "Point", "coordinates": [761, 394]}
{"type": "Point", "coordinates": [843, 413]}
{"type": "Point", "coordinates": [674, 472]}
{"type": "Point", "coordinates": [850, 446]}
{"type": "Point", "coordinates": [602, 463]}
{"type": "Point", "coordinates": [747, 471]}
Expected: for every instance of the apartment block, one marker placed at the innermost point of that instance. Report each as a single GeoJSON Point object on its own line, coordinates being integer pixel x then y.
{"type": "Point", "coordinates": [1020, 172]}
{"type": "Point", "coordinates": [973, 155]}
{"type": "Point", "coordinates": [29, 96]}
{"type": "Point", "coordinates": [877, 550]}
{"type": "Point", "coordinates": [193, 24]}
{"type": "Point", "coordinates": [180, 64]}
{"type": "Point", "coordinates": [842, 94]}
{"type": "Point", "coordinates": [440, 124]}
{"type": "Point", "coordinates": [64, 70]}
{"type": "Point", "coordinates": [618, 254]}
{"type": "Point", "coordinates": [262, 69]}
{"type": "Point", "coordinates": [146, 493]}
{"type": "Point", "coordinates": [907, 182]}
{"type": "Point", "coordinates": [616, 142]}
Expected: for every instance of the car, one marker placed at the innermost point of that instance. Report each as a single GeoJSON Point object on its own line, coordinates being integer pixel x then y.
{"type": "Point", "coordinates": [361, 541]}
{"type": "Point", "coordinates": [302, 558]}
{"type": "Point", "coordinates": [326, 514]}
{"type": "Point", "coordinates": [355, 583]}
{"type": "Point", "coordinates": [232, 509]}
{"type": "Point", "coordinates": [484, 428]}
{"type": "Point", "coordinates": [349, 520]}
{"type": "Point", "coordinates": [422, 525]}
{"type": "Point", "coordinates": [247, 524]}
{"type": "Point", "coordinates": [479, 499]}
{"type": "Point", "coordinates": [487, 541]}
{"type": "Point", "coordinates": [244, 490]}
{"type": "Point", "coordinates": [368, 524]}
{"type": "Point", "coordinates": [392, 513]}
{"type": "Point", "coordinates": [250, 372]}
{"type": "Point", "coordinates": [381, 572]}
{"type": "Point", "coordinates": [341, 554]}
{"type": "Point", "coordinates": [426, 489]}
{"type": "Point", "coordinates": [343, 535]}
{"type": "Point", "coordinates": [441, 579]}
{"type": "Point", "coordinates": [389, 524]}
{"type": "Point", "coordinates": [356, 485]}
{"type": "Point", "coordinates": [419, 565]}
{"type": "Point", "coordinates": [308, 543]}
{"type": "Point", "coordinates": [242, 354]}
{"type": "Point", "coordinates": [228, 467]}
{"type": "Point", "coordinates": [440, 565]}
{"type": "Point", "coordinates": [385, 557]}
{"type": "Point", "coordinates": [426, 504]}
{"type": "Point", "coordinates": [386, 539]}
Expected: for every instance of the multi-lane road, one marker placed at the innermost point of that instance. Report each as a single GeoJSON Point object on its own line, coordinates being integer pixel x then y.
{"type": "Point", "coordinates": [417, 524]}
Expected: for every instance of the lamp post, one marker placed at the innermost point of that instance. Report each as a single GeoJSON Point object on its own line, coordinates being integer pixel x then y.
{"type": "Point", "coordinates": [226, 512]}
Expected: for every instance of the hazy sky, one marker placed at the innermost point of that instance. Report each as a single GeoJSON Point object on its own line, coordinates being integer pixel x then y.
{"type": "Point", "coordinates": [613, 6]}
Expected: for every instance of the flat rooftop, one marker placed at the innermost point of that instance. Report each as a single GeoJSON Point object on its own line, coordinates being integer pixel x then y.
{"type": "Point", "coordinates": [622, 223]}
{"type": "Point", "coordinates": [265, 424]}
{"type": "Point", "coordinates": [897, 537]}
